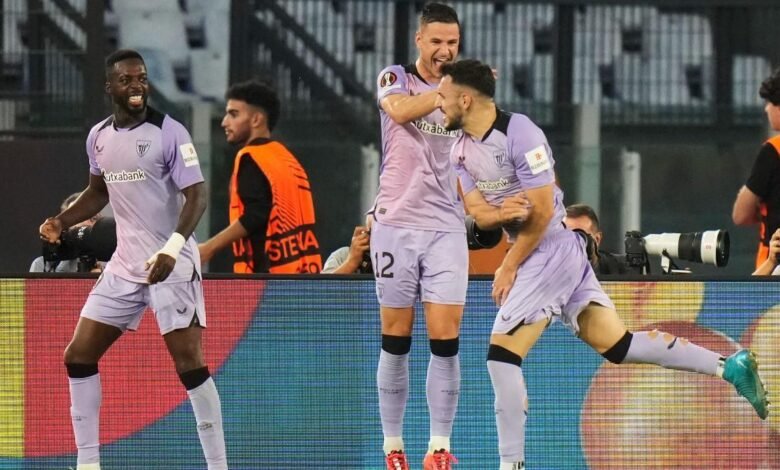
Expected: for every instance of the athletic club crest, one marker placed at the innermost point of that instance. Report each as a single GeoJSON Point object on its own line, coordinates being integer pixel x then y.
{"type": "Point", "coordinates": [142, 146]}
{"type": "Point", "coordinates": [499, 158]}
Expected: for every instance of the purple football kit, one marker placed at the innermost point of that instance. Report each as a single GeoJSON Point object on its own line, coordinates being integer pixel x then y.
{"type": "Point", "coordinates": [418, 240]}
{"type": "Point", "coordinates": [556, 281]}
{"type": "Point", "coordinates": [145, 167]}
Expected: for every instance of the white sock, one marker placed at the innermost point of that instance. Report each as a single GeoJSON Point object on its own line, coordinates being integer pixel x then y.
{"type": "Point", "coordinates": [88, 466]}
{"type": "Point", "coordinates": [511, 466]}
{"type": "Point", "coordinates": [85, 398]}
{"type": "Point", "coordinates": [393, 443]}
{"type": "Point", "coordinates": [208, 414]}
{"type": "Point", "coordinates": [438, 443]}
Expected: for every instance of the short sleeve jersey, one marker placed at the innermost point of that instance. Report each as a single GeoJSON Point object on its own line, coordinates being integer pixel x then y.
{"type": "Point", "coordinates": [145, 168]}
{"type": "Point", "coordinates": [513, 156]}
{"type": "Point", "coordinates": [417, 185]}
{"type": "Point", "coordinates": [764, 182]}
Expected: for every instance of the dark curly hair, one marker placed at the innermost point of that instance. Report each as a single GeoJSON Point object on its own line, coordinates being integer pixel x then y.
{"type": "Point", "coordinates": [770, 88]}
{"type": "Point", "coordinates": [472, 73]}
{"type": "Point", "coordinates": [259, 94]}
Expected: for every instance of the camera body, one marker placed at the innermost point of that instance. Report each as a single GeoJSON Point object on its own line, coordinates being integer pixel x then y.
{"type": "Point", "coordinates": [636, 255]}
{"type": "Point", "coordinates": [366, 267]}
{"type": "Point", "coordinates": [478, 238]}
{"type": "Point", "coordinates": [88, 244]}
{"type": "Point", "coordinates": [708, 247]}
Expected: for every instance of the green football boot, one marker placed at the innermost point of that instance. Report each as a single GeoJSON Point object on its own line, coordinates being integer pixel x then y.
{"type": "Point", "coordinates": [741, 370]}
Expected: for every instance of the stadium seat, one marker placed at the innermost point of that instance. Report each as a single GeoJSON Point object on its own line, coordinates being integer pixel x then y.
{"type": "Point", "coordinates": [544, 78]}
{"type": "Point", "coordinates": [532, 17]}
{"type": "Point", "coordinates": [161, 75]}
{"type": "Point", "coordinates": [687, 37]}
{"type": "Point", "coordinates": [587, 82]}
{"type": "Point", "coordinates": [628, 78]}
{"type": "Point", "coordinates": [209, 73]}
{"type": "Point", "coordinates": [596, 36]}
{"type": "Point", "coordinates": [204, 6]}
{"type": "Point", "coordinates": [146, 29]}
{"type": "Point", "coordinates": [665, 82]}
{"type": "Point", "coordinates": [367, 65]}
{"type": "Point", "coordinates": [748, 71]}
{"type": "Point", "coordinates": [129, 6]}
{"type": "Point", "coordinates": [628, 17]}
{"type": "Point", "coordinates": [652, 81]}
{"type": "Point", "coordinates": [217, 30]}
{"type": "Point", "coordinates": [7, 114]}
{"type": "Point", "coordinates": [14, 13]}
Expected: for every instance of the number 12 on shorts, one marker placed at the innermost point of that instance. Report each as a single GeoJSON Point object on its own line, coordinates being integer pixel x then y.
{"type": "Point", "coordinates": [379, 269]}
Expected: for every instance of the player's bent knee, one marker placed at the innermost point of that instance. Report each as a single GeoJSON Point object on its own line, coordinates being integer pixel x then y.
{"type": "Point", "coordinates": [80, 371]}
{"type": "Point", "coordinates": [398, 345]}
{"type": "Point", "coordinates": [74, 355]}
{"type": "Point", "coordinates": [500, 354]}
{"type": "Point", "coordinates": [445, 347]}
{"type": "Point", "coordinates": [617, 353]}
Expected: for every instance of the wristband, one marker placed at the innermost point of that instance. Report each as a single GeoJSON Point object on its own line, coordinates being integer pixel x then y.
{"type": "Point", "coordinates": [174, 245]}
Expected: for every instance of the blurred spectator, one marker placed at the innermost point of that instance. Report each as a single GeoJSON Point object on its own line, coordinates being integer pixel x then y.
{"type": "Point", "coordinates": [583, 217]}
{"type": "Point", "coordinates": [758, 201]}
{"type": "Point", "coordinates": [271, 209]}
{"type": "Point", "coordinates": [351, 259]}
{"type": "Point", "coordinates": [39, 265]}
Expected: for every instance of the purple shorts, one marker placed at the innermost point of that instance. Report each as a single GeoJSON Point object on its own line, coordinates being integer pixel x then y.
{"type": "Point", "coordinates": [121, 303]}
{"type": "Point", "coordinates": [555, 283]}
{"type": "Point", "coordinates": [409, 263]}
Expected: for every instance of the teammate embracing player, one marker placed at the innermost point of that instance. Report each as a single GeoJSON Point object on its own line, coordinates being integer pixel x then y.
{"type": "Point", "coordinates": [546, 276]}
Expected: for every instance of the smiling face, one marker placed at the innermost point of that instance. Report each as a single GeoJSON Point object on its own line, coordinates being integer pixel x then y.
{"type": "Point", "coordinates": [437, 44]}
{"type": "Point", "coordinates": [451, 101]}
{"type": "Point", "coordinates": [128, 86]}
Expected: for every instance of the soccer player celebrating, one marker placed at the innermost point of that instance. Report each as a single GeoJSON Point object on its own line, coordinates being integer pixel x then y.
{"type": "Point", "coordinates": [545, 276]}
{"type": "Point", "coordinates": [418, 241]}
{"type": "Point", "coordinates": [144, 163]}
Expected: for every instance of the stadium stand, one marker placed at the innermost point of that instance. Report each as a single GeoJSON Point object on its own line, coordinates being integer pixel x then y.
{"type": "Point", "coordinates": [747, 72]}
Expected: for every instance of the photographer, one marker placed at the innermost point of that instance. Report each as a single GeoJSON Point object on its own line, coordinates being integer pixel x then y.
{"type": "Point", "coordinates": [583, 217]}
{"type": "Point", "coordinates": [352, 259]}
{"type": "Point", "coordinates": [44, 264]}
{"type": "Point", "coordinates": [769, 266]}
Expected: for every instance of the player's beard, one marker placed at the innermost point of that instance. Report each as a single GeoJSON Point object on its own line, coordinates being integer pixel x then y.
{"type": "Point", "coordinates": [454, 123]}
{"type": "Point", "coordinates": [236, 137]}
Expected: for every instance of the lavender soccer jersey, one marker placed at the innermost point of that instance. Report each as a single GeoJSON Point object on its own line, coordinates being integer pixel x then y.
{"type": "Point", "coordinates": [417, 187]}
{"type": "Point", "coordinates": [145, 167]}
{"type": "Point", "coordinates": [514, 156]}
{"type": "Point", "coordinates": [556, 281]}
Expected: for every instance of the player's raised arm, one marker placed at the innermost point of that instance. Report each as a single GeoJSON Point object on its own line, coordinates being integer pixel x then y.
{"type": "Point", "coordinates": [406, 108]}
